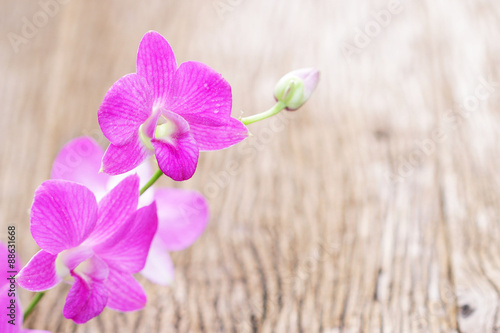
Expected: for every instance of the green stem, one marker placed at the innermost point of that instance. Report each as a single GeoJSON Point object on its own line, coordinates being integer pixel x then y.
{"type": "Point", "coordinates": [32, 305]}
{"type": "Point", "coordinates": [153, 179]}
{"type": "Point", "coordinates": [263, 115]}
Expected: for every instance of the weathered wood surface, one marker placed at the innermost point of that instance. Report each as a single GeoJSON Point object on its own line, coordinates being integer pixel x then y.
{"type": "Point", "coordinates": [375, 208]}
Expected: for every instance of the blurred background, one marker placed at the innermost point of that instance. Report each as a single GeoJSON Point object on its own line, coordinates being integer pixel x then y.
{"type": "Point", "coordinates": [374, 208]}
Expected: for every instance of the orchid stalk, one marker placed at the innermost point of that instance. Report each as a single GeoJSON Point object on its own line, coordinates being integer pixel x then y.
{"type": "Point", "coordinates": [277, 108]}
{"type": "Point", "coordinates": [150, 182]}
{"type": "Point", "coordinates": [37, 298]}
{"type": "Point", "coordinates": [291, 92]}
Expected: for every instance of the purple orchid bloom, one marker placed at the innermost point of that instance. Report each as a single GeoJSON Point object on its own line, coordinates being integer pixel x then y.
{"type": "Point", "coordinates": [95, 247]}
{"type": "Point", "coordinates": [9, 324]}
{"type": "Point", "coordinates": [182, 214]}
{"type": "Point", "coordinates": [169, 111]}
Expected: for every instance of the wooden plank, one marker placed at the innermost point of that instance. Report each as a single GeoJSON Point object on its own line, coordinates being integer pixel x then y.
{"type": "Point", "coordinates": [350, 215]}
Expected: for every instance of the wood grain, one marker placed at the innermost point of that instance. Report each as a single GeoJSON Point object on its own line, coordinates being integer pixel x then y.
{"type": "Point", "coordinates": [372, 209]}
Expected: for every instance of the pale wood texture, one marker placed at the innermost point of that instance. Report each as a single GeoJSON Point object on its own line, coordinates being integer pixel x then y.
{"type": "Point", "coordinates": [354, 214]}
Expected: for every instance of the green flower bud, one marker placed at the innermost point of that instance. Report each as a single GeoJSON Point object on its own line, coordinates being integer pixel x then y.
{"type": "Point", "coordinates": [295, 88]}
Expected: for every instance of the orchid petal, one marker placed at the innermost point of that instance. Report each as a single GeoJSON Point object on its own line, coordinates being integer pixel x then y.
{"type": "Point", "coordinates": [125, 293]}
{"type": "Point", "coordinates": [182, 217]}
{"type": "Point", "coordinates": [156, 63]}
{"type": "Point", "coordinates": [127, 104]}
{"type": "Point", "coordinates": [203, 98]}
{"type": "Point", "coordinates": [9, 302]}
{"type": "Point", "coordinates": [63, 215]}
{"type": "Point", "coordinates": [177, 161]}
{"type": "Point", "coordinates": [121, 159]}
{"type": "Point", "coordinates": [129, 253]}
{"type": "Point", "coordinates": [159, 268]}
{"type": "Point", "coordinates": [114, 210]}
{"type": "Point", "coordinates": [39, 273]}
{"type": "Point", "coordinates": [86, 299]}
{"type": "Point", "coordinates": [145, 172]}
{"type": "Point", "coordinates": [198, 89]}
{"type": "Point", "coordinates": [210, 135]}
{"type": "Point", "coordinates": [80, 161]}
{"type": "Point", "coordinates": [177, 156]}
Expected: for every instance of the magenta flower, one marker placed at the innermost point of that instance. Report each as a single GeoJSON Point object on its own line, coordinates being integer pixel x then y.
{"type": "Point", "coordinates": [12, 322]}
{"type": "Point", "coordinates": [169, 111]}
{"type": "Point", "coordinates": [182, 214]}
{"type": "Point", "coordinates": [95, 247]}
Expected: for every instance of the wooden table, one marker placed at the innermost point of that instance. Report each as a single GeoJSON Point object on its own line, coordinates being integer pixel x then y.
{"type": "Point", "coordinates": [372, 209]}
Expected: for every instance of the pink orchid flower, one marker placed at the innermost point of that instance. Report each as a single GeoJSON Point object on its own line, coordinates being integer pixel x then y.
{"type": "Point", "coordinates": [9, 301]}
{"type": "Point", "coordinates": [169, 111]}
{"type": "Point", "coordinates": [182, 214]}
{"type": "Point", "coordinates": [94, 247]}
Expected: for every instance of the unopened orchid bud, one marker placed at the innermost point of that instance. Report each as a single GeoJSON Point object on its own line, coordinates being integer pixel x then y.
{"type": "Point", "coordinates": [295, 88]}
